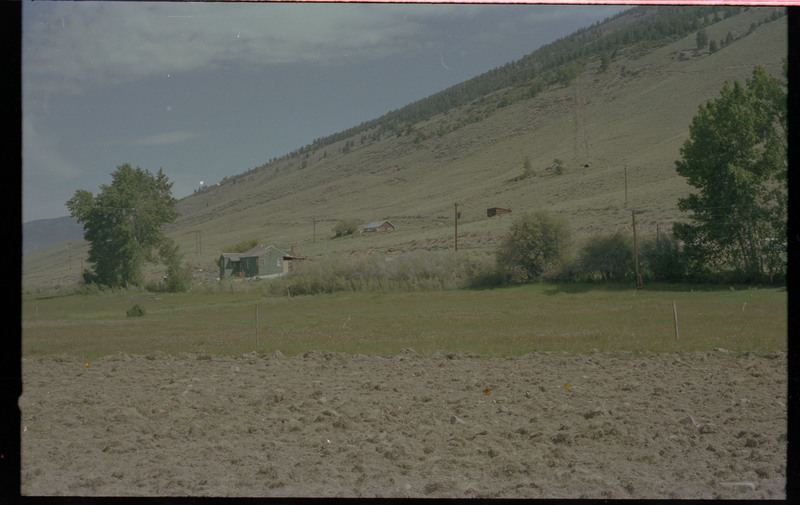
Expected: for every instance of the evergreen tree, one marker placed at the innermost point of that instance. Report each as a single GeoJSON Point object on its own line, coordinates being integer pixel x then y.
{"type": "Point", "coordinates": [702, 39]}
{"type": "Point", "coordinates": [605, 61]}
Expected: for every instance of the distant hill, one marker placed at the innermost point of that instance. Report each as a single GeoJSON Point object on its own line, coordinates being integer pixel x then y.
{"type": "Point", "coordinates": [44, 232]}
{"type": "Point", "coordinates": [610, 106]}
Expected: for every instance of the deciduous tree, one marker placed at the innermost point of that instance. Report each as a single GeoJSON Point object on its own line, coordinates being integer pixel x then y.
{"type": "Point", "coordinates": [661, 258]}
{"type": "Point", "coordinates": [610, 255]}
{"type": "Point", "coordinates": [535, 243]}
{"type": "Point", "coordinates": [124, 223]}
{"type": "Point", "coordinates": [345, 227]}
{"type": "Point", "coordinates": [736, 158]}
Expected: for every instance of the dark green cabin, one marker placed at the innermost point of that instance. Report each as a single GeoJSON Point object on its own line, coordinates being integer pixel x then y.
{"type": "Point", "coordinates": [257, 262]}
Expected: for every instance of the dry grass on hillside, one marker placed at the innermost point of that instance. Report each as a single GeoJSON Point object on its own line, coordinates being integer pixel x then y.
{"type": "Point", "coordinates": [631, 119]}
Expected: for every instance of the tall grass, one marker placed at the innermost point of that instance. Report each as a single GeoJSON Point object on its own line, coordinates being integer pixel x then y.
{"type": "Point", "coordinates": [413, 271]}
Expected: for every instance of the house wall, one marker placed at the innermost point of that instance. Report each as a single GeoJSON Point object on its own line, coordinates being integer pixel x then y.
{"type": "Point", "coordinates": [273, 262]}
{"type": "Point", "coordinates": [226, 267]}
{"type": "Point", "coordinates": [269, 262]}
{"type": "Point", "coordinates": [250, 266]}
{"type": "Point", "coordinates": [382, 227]}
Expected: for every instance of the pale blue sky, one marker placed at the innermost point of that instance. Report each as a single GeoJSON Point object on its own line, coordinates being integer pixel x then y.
{"type": "Point", "coordinates": [209, 90]}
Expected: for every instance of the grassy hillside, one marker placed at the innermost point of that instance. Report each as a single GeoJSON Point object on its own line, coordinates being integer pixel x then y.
{"type": "Point", "coordinates": [630, 118]}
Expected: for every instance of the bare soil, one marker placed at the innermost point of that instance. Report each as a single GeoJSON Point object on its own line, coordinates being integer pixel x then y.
{"type": "Point", "coordinates": [545, 425]}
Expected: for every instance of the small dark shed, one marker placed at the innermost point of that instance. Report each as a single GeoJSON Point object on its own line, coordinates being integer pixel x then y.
{"type": "Point", "coordinates": [496, 211]}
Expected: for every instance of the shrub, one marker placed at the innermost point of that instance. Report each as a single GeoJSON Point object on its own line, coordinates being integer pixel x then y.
{"type": "Point", "coordinates": [561, 270]}
{"type": "Point", "coordinates": [661, 258]}
{"type": "Point", "coordinates": [535, 243]}
{"type": "Point", "coordinates": [179, 279]}
{"type": "Point", "coordinates": [419, 270]}
{"type": "Point", "coordinates": [484, 279]}
{"type": "Point", "coordinates": [135, 311]}
{"type": "Point", "coordinates": [345, 227]}
{"type": "Point", "coordinates": [91, 288]}
{"type": "Point", "coordinates": [611, 256]}
{"type": "Point", "coordinates": [527, 170]}
{"type": "Point", "coordinates": [243, 246]}
{"type": "Point", "coordinates": [557, 167]}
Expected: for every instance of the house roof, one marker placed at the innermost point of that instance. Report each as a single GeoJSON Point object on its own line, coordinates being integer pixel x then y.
{"type": "Point", "coordinates": [256, 251]}
{"type": "Point", "coordinates": [376, 224]}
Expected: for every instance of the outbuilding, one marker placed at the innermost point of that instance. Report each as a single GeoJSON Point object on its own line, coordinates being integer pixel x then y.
{"type": "Point", "coordinates": [496, 211]}
{"type": "Point", "coordinates": [378, 226]}
{"type": "Point", "coordinates": [258, 261]}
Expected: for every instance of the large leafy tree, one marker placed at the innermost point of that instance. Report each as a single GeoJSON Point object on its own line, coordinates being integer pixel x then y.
{"type": "Point", "coordinates": [736, 158]}
{"type": "Point", "coordinates": [123, 225]}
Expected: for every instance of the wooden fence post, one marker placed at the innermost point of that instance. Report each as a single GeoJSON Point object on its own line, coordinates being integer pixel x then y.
{"type": "Point", "coordinates": [675, 317]}
{"type": "Point", "coordinates": [456, 216]}
{"type": "Point", "coordinates": [635, 252]}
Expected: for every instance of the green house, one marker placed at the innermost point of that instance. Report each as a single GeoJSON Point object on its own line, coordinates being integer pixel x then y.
{"type": "Point", "coordinates": [259, 261]}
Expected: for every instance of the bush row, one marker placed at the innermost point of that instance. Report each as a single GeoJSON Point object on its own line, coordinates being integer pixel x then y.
{"type": "Point", "coordinates": [602, 258]}
{"type": "Point", "coordinates": [420, 270]}
{"type": "Point", "coordinates": [539, 247]}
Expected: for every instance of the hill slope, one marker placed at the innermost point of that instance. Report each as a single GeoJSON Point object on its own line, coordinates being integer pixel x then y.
{"type": "Point", "coordinates": [605, 125]}
{"type": "Point", "coordinates": [43, 232]}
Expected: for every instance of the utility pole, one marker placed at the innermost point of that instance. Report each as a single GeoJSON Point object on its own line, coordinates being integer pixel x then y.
{"type": "Point", "coordinates": [258, 346]}
{"type": "Point", "coordinates": [197, 241]}
{"type": "Point", "coordinates": [626, 186]}
{"type": "Point", "coordinates": [456, 216]}
{"type": "Point", "coordinates": [635, 252]}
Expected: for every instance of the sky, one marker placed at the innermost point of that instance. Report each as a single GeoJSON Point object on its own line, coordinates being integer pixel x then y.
{"type": "Point", "coordinates": [210, 90]}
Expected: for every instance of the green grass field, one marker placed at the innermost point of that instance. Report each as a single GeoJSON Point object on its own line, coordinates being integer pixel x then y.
{"type": "Point", "coordinates": [573, 318]}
